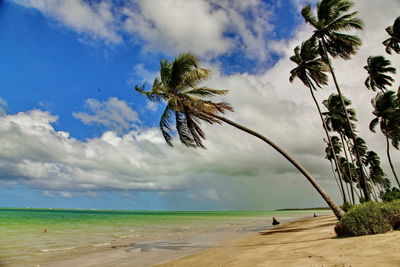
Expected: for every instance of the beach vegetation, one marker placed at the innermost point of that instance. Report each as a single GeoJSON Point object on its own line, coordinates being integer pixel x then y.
{"type": "Point", "coordinates": [369, 218]}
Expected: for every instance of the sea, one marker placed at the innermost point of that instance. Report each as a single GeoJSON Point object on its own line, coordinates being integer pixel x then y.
{"type": "Point", "coordinates": [40, 237]}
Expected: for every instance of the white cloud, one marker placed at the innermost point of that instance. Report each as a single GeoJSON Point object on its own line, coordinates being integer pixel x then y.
{"type": "Point", "coordinates": [65, 194]}
{"type": "Point", "coordinates": [206, 27]}
{"type": "Point", "coordinates": [179, 26]}
{"type": "Point", "coordinates": [3, 106]}
{"type": "Point", "coordinates": [210, 194]}
{"type": "Point", "coordinates": [96, 18]}
{"type": "Point", "coordinates": [113, 114]}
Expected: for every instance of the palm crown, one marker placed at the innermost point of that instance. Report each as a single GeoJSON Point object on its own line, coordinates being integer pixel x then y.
{"type": "Point", "coordinates": [329, 21]}
{"type": "Point", "coordinates": [309, 65]}
{"type": "Point", "coordinates": [335, 117]}
{"type": "Point", "coordinates": [179, 86]}
{"type": "Point", "coordinates": [387, 112]}
{"type": "Point", "coordinates": [393, 42]}
{"type": "Point", "coordinates": [377, 68]}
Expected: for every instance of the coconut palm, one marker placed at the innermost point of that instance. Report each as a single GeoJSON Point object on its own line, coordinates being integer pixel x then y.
{"type": "Point", "coordinates": [378, 67]}
{"type": "Point", "coordinates": [332, 151]}
{"type": "Point", "coordinates": [393, 42]}
{"type": "Point", "coordinates": [179, 86]}
{"type": "Point", "coordinates": [377, 176]}
{"type": "Point", "coordinates": [310, 70]}
{"type": "Point", "coordinates": [387, 112]}
{"type": "Point", "coordinates": [331, 19]}
{"type": "Point", "coordinates": [335, 120]}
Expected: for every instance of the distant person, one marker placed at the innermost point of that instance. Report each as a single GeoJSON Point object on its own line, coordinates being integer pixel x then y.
{"type": "Point", "coordinates": [274, 221]}
{"type": "Point", "coordinates": [315, 215]}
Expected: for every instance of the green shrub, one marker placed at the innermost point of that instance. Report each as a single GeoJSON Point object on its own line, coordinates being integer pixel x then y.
{"type": "Point", "coordinates": [391, 194]}
{"type": "Point", "coordinates": [368, 218]}
{"type": "Point", "coordinates": [347, 206]}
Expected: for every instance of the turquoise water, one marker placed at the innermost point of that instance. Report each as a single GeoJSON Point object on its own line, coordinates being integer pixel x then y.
{"type": "Point", "coordinates": [25, 243]}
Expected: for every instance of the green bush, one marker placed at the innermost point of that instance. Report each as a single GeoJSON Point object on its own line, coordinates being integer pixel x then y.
{"type": "Point", "coordinates": [347, 206]}
{"type": "Point", "coordinates": [369, 218]}
{"type": "Point", "coordinates": [391, 194]}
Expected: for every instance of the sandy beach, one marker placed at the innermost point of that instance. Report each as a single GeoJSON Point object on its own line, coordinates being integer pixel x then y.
{"type": "Point", "coordinates": [306, 242]}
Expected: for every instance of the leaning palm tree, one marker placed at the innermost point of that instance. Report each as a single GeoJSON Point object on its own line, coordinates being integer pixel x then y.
{"type": "Point", "coordinates": [378, 68]}
{"type": "Point", "coordinates": [331, 19]}
{"type": "Point", "coordinates": [310, 70]}
{"type": "Point", "coordinates": [332, 151]}
{"type": "Point", "coordinates": [335, 119]}
{"type": "Point", "coordinates": [179, 86]}
{"type": "Point", "coordinates": [387, 112]}
{"type": "Point", "coordinates": [393, 42]}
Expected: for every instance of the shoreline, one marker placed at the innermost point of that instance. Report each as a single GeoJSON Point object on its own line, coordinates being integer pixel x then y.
{"type": "Point", "coordinates": [304, 242]}
{"type": "Point", "coordinates": [156, 251]}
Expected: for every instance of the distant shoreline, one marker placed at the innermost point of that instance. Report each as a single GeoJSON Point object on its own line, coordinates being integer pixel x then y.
{"type": "Point", "coordinates": [319, 208]}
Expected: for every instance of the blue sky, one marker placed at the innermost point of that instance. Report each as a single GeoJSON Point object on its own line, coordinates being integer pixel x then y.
{"type": "Point", "coordinates": [75, 135]}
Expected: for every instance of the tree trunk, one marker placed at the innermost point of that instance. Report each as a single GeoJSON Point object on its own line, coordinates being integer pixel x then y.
{"type": "Point", "coordinates": [348, 167]}
{"type": "Point", "coordinates": [311, 87]}
{"type": "Point", "coordinates": [336, 209]}
{"type": "Point", "coordinates": [363, 180]}
{"type": "Point", "coordinates": [390, 161]}
{"type": "Point", "coordinates": [337, 181]}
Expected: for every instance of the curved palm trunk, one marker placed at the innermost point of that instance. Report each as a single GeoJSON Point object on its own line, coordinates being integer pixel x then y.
{"type": "Point", "coordinates": [390, 161]}
{"type": "Point", "coordinates": [336, 210]}
{"type": "Point", "coordinates": [348, 167]}
{"type": "Point", "coordinates": [363, 180]}
{"type": "Point", "coordinates": [312, 87]}
{"type": "Point", "coordinates": [337, 181]}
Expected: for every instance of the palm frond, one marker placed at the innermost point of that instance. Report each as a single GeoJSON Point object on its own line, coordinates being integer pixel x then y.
{"type": "Point", "coordinates": [165, 124]}
{"type": "Point", "coordinates": [206, 92]}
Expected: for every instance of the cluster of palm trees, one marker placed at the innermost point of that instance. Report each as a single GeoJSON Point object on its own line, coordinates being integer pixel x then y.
{"type": "Point", "coordinates": [347, 152]}
{"type": "Point", "coordinates": [188, 104]}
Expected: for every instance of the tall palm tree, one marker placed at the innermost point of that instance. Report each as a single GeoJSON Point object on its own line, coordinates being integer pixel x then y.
{"type": "Point", "coordinates": [378, 68]}
{"type": "Point", "coordinates": [335, 119]}
{"type": "Point", "coordinates": [332, 151]}
{"type": "Point", "coordinates": [179, 86]}
{"type": "Point", "coordinates": [310, 70]}
{"type": "Point", "coordinates": [375, 171]}
{"type": "Point", "coordinates": [331, 19]}
{"type": "Point", "coordinates": [387, 112]}
{"type": "Point", "coordinates": [393, 42]}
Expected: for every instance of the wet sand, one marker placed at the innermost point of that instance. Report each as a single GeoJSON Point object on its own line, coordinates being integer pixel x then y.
{"type": "Point", "coordinates": [147, 253]}
{"type": "Point", "coordinates": [306, 242]}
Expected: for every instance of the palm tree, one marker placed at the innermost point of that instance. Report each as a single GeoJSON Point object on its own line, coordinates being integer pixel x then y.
{"type": "Point", "coordinates": [387, 112]}
{"type": "Point", "coordinates": [179, 86]}
{"type": "Point", "coordinates": [335, 120]}
{"type": "Point", "coordinates": [310, 70]}
{"type": "Point", "coordinates": [330, 20]}
{"type": "Point", "coordinates": [332, 151]}
{"type": "Point", "coordinates": [378, 177]}
{"type": "Point", "coordinates": [393, 42]}
{"type": "Point", "coordinates": [377, 68]}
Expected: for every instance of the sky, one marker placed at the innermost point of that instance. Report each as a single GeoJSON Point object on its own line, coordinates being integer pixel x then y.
{"type": "Point", "coordinates": [74, 133]}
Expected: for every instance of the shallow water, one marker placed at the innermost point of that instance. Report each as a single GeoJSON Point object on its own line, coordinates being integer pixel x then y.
{"type": "Point", "coordinates": [23, 241]}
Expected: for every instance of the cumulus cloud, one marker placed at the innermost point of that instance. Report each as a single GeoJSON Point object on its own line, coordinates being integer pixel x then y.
{"type": "Point", "coordinates": [96, 18]}
{"type": "Point", "coordinates": [206, 27]}
{"type": "Point", "coordinates": [3, 106]}
{"type": "Point", "coordinates": [113, 114]}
